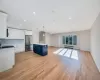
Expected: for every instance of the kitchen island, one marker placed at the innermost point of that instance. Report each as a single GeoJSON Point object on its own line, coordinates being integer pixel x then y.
{"type": "Point", "coordinates": [7, 58]}
{"type": "Point", "coordinates": [41, 49]}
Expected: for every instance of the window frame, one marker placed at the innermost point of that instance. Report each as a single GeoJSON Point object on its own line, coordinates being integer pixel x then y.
{"type": "Point", "coordinates": [64, 38]}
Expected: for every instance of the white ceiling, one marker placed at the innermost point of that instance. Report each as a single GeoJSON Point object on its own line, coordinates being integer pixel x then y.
{"type": "Point", "coordinates": [56, 16]}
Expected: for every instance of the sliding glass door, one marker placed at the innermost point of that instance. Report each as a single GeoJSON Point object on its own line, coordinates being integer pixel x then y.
{"type": "Point", "coordinates": [64, 39]}
{"type": "Point", "coordinates": [74, 40]}
{"type": "Point", "coordinates": [69, 40]}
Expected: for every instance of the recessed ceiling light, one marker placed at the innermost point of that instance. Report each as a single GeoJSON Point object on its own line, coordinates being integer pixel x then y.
{"type": "Point", "coordinates": [70, 18]}
{"type": "Point", "coordinates": [24, 20]}
{"type": "Point", "coordinates": [34, 13]}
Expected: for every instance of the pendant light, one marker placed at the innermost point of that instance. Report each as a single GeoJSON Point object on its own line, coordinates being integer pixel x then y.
{"type": "Point", "coordinates": [43, 31]}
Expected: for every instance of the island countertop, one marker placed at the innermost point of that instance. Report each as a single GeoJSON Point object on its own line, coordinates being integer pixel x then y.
{"type": "Point", "coordinates": [40, 44]}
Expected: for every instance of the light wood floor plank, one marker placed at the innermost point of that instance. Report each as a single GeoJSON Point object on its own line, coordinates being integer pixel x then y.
{"type": "Point", "coordinates": [31, 66]}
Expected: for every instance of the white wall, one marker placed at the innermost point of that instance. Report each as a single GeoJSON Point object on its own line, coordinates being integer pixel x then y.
{"type": "Point", "coordinates": [48, 39]}
{"type": "Point", "coordinates": [83, 39]}
{"type": "Point", "coordinates": [95, 41]}
{"type": "Point", "coordinates": [35, 35]}
{"type": "Point", "coordinates": [55, 40]}
{"type": "Point", "coordinates": [18, 44]}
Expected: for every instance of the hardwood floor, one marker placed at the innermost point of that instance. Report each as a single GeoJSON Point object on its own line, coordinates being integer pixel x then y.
{"type": "Point", "coordinates": [30, 66]}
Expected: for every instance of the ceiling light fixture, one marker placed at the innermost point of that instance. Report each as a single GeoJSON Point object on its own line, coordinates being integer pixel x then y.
{"type": "Point", "coordinates": [43, 31]}
{"type": "Point", "coordinates": [70, 18]}
{"type": "Point", "coordinates": [34, 13]}
{"type": "Point", "coordinates": [24, 20]}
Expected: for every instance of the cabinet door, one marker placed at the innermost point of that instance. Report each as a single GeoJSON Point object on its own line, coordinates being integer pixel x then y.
{"type": "Point", "coordinates": [15, 34]}
{"type": "Point", "coordinates": [3, 25]}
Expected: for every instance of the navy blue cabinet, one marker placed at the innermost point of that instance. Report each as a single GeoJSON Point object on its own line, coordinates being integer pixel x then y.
{"type": "Point", "coordinates": [40, 49]}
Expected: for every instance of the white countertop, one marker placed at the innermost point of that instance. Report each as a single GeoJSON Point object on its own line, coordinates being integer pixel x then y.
{"type": "Point", "coordinates": [40, 44]}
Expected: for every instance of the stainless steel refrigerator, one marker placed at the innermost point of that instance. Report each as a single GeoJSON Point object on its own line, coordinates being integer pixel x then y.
{"type": "Point", "coordinates": [28, 42]}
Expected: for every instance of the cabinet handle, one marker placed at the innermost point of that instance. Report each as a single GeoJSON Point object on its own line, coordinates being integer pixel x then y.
{"type": "Point", "coordinates": [7, 33]}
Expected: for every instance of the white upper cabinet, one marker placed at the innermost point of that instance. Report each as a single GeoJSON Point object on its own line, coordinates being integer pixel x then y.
{"type": "Point", "coordinates": [28, 32]}
{"type": "Point", "coordinates": [15, 34]}
{"type": "Point", "coordinates": [3, 25]}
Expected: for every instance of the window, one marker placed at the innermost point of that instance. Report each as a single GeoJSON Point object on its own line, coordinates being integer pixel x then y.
{"type": "Point", "coordinates": [64, 40]}
{"type": "Point", "coordinates": [74, 40]}
{"type": "Point", "coordinates": [70, 40]}
{"type": "Point", "coordinates": [67, 40]}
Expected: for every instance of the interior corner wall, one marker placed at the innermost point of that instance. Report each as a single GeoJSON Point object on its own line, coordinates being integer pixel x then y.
{"type": "Point", "coordinates": [55, 40]}
{"type": "Point", "coordinates": [95, 41]}
{"type": "Point", "coordinates": [85, 40]}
